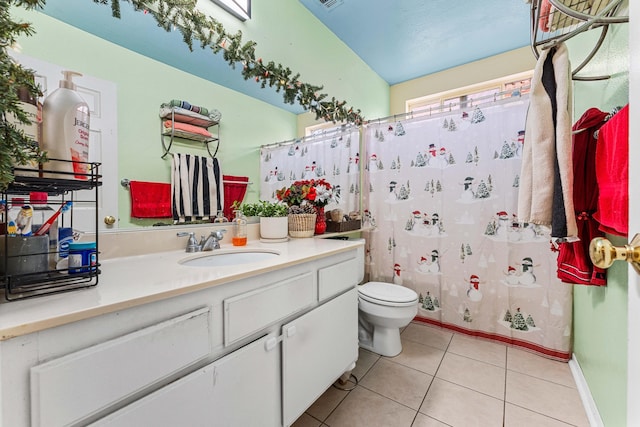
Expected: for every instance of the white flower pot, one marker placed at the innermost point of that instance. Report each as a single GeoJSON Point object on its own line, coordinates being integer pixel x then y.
{"type": "Point", "coordinates": [274, 227]}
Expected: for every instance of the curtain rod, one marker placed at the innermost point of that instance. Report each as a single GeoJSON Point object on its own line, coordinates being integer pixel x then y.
{"type": "Point", "coordinates": [329, 132]}
{"type": "Point", "coordinates": [468, 103]}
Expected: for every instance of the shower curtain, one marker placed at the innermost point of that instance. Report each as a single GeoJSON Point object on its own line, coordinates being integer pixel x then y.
{"type": "Point", "coordinates": [440, 195]}
{"type": "Point", "coordinates": [332, 155]}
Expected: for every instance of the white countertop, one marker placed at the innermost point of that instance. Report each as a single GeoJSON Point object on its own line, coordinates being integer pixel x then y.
{"type": "Point", "coordinates": [134, 280]}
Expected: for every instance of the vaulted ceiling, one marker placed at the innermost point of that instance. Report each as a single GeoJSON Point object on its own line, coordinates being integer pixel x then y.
{"type": "Point", "coordinates": [404, 39]}
{"type": "Point", "coordinates": [399, 40]}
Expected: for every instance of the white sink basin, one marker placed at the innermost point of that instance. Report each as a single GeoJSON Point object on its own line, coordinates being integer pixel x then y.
{"type": "Point", "coordinates": [217, 259]}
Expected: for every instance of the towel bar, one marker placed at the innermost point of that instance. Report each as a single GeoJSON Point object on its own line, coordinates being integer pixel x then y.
{"type": "Point", "coordinates": [125, 182]}
{"type": "Point", "coordinates": [229, 181]}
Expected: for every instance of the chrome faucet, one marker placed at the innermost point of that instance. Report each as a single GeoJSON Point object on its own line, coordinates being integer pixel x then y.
{"type": "Point", "coordinates": [213, 241]}
{"type": "Point", "coordinates": [210, 243]}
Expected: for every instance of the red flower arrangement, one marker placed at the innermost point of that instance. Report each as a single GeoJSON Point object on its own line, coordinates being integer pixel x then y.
{"type": "Point", "coordinates": [316, 192]}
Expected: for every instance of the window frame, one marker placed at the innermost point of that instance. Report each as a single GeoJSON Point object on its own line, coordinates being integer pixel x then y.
{"type": "Point", "coordinates": [235, 8]}
{"type": "Point", "coordinates": [463, 97]}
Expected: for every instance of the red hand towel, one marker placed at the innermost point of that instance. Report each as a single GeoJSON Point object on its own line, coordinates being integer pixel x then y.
{"type": "Point", "coordinates": [612, 172]}
{"type": "Point", "coordinates": [234, 190]}
{"type": "Point", "coordinates": [150, 199]}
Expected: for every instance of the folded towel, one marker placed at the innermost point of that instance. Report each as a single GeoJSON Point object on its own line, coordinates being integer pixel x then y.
{"type": "Point", "coordinates": [187, 106]}
{"type": "Point", "coordinates": [234, 191]}
{"type": "Point", "coordinates": [150, 199]}
{"type": "Point", "coordinates": [196, 187]}
{"type": "Point", "coordinates": [188, 128]}
{"type": "Point", "coordinates": [544, 15]}
{"type": "Point", "coordinates": [187, 116]}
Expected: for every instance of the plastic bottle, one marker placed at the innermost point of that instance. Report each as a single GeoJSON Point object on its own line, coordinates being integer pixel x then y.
{"type": "Point", "coordinates": [41, 209]}
{"type": "Point", "coordinates": [12, 214]}
{"type": "Point", "coordinates": [29, 105]}
{"type": "Point", "coordinates": [82, 257]}
{"type": "Point", "coordinates": [239, 230]}
{"type": "Point", "coordinates": [65, 130]}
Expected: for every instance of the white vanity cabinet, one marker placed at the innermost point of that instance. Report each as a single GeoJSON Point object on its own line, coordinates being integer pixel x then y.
{"type": "Point", "coordinates": [241, 389]}
{"type": "Point", "coordinates": [256, 351]}
{"type": "Point", "coordinates": [317, 348]}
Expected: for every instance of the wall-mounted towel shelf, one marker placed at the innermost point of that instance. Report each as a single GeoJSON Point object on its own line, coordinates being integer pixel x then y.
{"type": "Point", "coordinates": [555, 21]}
{"type": "Point", "coordinates": [180, 123]}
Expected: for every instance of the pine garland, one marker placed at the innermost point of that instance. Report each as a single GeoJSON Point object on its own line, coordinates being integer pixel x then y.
{"type": "Point", "coordinates": [208, 32]}
{"type": "Point", "coordinates": [15, 147]}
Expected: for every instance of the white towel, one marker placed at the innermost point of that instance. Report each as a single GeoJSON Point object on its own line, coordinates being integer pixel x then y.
{"type": "Point", "coordinates": [546, 144]}
{"type": "Point", "coordinates": [196, 187]}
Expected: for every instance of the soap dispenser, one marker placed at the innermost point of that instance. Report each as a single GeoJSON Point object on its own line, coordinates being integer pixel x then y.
{"type": "Point", "coordinates": [65, 130]}
{"type": "Point", "coordinates": [239, 230]}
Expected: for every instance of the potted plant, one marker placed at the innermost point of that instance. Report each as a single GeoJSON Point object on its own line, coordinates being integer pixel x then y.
{"type": "Point", "coordinates": [309, 197]}
{"type": "Point", "coordinates": [273, 220]}
{"type": "Point", "coordinates": [249, 210]}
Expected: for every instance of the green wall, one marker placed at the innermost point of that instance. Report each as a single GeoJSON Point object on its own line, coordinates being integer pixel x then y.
{"type": "Point", "coordinates": [287, 34]}
{"type": "Point", "coordinates": [600, 313]}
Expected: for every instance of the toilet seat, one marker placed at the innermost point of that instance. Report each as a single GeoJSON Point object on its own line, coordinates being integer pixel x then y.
{"type": "Point", "coordinates": [387, 294]}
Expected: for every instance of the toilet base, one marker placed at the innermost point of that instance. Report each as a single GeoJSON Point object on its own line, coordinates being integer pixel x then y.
{"type": "Point", "coordinates": [385, 342]}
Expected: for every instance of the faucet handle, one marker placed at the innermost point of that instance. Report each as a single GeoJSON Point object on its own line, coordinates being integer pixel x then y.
{"type": "Point", "coordinates": [192, 244]}
{"type": "Point", "coordinates": [218, 234]}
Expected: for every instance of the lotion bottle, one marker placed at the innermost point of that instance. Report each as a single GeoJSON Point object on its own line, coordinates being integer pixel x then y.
{"type": "Point", "coordinates": [65, 130]}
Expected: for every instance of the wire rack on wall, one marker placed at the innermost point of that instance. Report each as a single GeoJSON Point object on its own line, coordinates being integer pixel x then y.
{"type": "Point", "coordinates": [555, 21]}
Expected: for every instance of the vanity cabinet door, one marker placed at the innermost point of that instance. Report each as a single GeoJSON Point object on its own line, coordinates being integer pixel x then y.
{"type": "Point", "coordinates": [317, 349]}
{"type": "Point", "coordinates": [240, 389]}
{"type": "Point", "coordinates": [78, 386]}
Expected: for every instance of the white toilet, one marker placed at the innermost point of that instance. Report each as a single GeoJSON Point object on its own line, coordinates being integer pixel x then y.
{"type": "Point", "coordinates": [384, 308]}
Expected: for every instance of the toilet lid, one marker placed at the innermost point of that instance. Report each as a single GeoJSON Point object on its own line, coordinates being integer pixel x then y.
{"type": "Point", "coordinates": [386, 293]}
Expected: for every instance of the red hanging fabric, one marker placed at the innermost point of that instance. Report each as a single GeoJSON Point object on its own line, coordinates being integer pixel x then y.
{"type": "Point", "coordinates": [612, 171]}
{"type": "Point", "coordinates": [150, 199]}
{"type": "Point", "coordinates": [574, 264]}
{"type": "Point", "coordinates": [235, 188]}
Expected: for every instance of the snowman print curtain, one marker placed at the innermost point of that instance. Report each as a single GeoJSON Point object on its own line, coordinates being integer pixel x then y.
{"type": "Point", "coordinates": [439, 198]}
{"type": "Point", "coordinates": [332, 156]}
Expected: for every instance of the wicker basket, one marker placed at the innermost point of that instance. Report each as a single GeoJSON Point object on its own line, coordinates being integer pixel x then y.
{"type": "Point", "coordinates": [302, 225]}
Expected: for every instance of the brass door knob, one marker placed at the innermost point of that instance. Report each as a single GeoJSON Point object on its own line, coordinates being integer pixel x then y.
{"type": "Point", "coordinates": [109, 220]}
{"type": "Point", "coordinates": [603, 253]}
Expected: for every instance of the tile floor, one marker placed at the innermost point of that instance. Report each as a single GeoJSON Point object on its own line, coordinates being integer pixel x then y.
{"type": "Point", "coordinates": [446, 379]}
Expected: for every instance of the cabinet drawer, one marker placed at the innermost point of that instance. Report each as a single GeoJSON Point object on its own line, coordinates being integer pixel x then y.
{"type": "Point", "coordinates": [249, 312]}
{"type": "Point", "coordinates": [241, 389]}
{"type": "Point", "coordinates": [69, 389]}
{"type": "Point", "coordinates": [337, 278]}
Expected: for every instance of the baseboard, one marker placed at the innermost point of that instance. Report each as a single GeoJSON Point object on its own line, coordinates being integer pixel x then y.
{"type": "Point", "coordinates": [585, 394]}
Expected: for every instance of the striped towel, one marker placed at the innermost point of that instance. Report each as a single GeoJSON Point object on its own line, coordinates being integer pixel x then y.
{"type": "Point", "coordinates": [196, 187]}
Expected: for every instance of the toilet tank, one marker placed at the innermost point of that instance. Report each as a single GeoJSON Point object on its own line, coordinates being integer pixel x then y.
{"type": "Point", "coordinates": [360, 261]}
